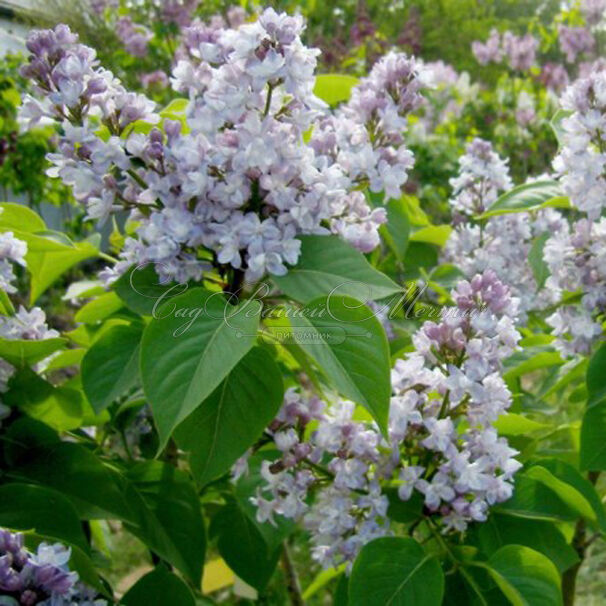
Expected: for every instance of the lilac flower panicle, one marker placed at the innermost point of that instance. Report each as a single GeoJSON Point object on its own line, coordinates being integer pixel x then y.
{"type": "Point", "coordinates": [243, 183]}
{"type": "Point", "coordinates": [42, 578]}
{"type": "Point", "coordinates": [483, 175]}
{"type": "Point", "coordinates": [442, 443]}
{"type": "Point", "coordinates": [575, 41]}
{"type": "Point", "coordinates": [581, 161]}
{"type": "Point", "coordinates": [575, 257]}
{"type": "Point", "coordinates": [520, 51]}
{"type": "Point", "coordinates": [12, 250]}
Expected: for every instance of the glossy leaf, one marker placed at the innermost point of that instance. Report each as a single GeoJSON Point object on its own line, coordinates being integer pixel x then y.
{"type": "Point", "coordinates": [349, 345]}
{"type": "Point", "coordinates": [329, 265]}
{"type": "Point", "coordinates": [233, 417]}
{"type": "Point", "coordinates": [529, 197]}
{"type": "Point", "coordinates": [525, 576]}
{"type": "Point", "coordinates": [188, 349]}
{"type": "Point", "coordinates": [111, 366]}
{"type": "Point", "coordinates": [158, 588]}
{"type": "Point", "coordinates": [395, 572]}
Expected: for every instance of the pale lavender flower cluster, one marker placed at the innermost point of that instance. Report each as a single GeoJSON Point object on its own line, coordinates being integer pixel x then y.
{"type": "Point", "coordinates": [554, 76]}
{"type": "Point", "coordinates": [442, 443]}
{"type": "Point", "coordinates": [501, 243]}
{"type": "Point", "coordinates": [576, 258]}
{"type": "Point", "coordinates": [575, 41]}
{"type": "Point", "coordinates": [593, 10]}
{"type": "Point", "coordinates": [581, 161]}
{"type": "Point", "coordinates": [241, 182]}
{"type": "Point", "coordinates": [134, 36]}
{"type": "Point", "coordinates": [339, 458]}
{"type": "Point", "coordinates": [482, 176]}
{"type": "Point", "coordinates": [42, 578]}
{"type": "Point", "coordinates": [447, 395]}
{"type": "Point", "coordinates": [365, 137]}
{"type": "Point", "coordinates": [520, 51]}
{"type": "Point", "coordinates": [12, 250]}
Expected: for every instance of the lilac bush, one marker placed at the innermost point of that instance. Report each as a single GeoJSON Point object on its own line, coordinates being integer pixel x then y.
{"type": "Point", "coordinates": [348, 325]}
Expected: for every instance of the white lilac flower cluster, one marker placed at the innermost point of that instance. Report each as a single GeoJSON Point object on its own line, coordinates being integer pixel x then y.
{"type": "Point", "coordinates": [12, 250]}
{"type": "Point", "coordinates": [593, 10]}
{"type": "Point", "coordinates": [576, 258]}
{"type": "Point", "coordinates": [442, 442]}
{"type": "Point", "coordinates": [236, 187]}
{"type": "Point", "coordinates": [581, 161]}
{"type": "Point", "coordinates": [500, 243]}
{"type": "Point", "coordinates": [482, 176]}
{"type": "Point", "coordinates": [42, 578]}
{"type": "Point", "coordinates": [520, 51]}
{"type": "Point", "coordinates": [575, 255]}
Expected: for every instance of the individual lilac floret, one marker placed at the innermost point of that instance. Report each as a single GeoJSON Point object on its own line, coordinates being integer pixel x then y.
{"type": "Point", "coordinates": [581, 162]}
{"type": "Point", "coordinates": [442, 443]}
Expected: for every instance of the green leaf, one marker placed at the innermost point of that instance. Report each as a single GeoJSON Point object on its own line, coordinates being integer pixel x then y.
{"type": "Point", "coordinates": [593, 438]}
{"type": "Point", "coordinates": [99, 308]}
{"type": "Point", "coordinates": [111, 366]}
{"type": "Point", "coordinates": [242, 546]}
{"type": "Point", "coordinates": [541, 535]}
{"type": "Point", "coordinates": [322, 579]}
{"type": "Point", "coordinates": [528, 197]}
{"type": "Point", "coordinates": [539, 268]}
{"type": "Point", "coordinates": [94, 488]}
{"type": "Point", "coordinates": [525, 576]}
{"type": "Point", "coordinates": [158, 588]}
{"type": "Point", "coordinates": [170, 521]}
{"type": "Point", "coordinates": [142, 291]}
{"type": "Point", "coordinates": [189, 348]}
{"type": "Point", "coordinates": [334, 88]}
{"type": "Point", "coordinates": [539, 494]}
{"type": "Point", "coordinates": [45, 511]}
{"type": "Point", "coordinates": [349, 345]}
{"type": "Point", "coordinates": [596, 377]}
{"type": "Point", "coordinates": [512, 424]}
{"type": "Point", "coordinates": [62, 408]}
{"type": "Point", "coordinates": [48, 258]}
{"type": "Point", "coordinates": [328, 264]}
{"type": "Point", "coordinates": [530, 359]}
{"type": "Point", "coordinates": [393, 571]}
{"type": "Point", "coordinates": [397, 229]}
{"type": "Point", "coordinates": [20, 218]}
{"type": "Point", "coordinates": [20, 352]}
{"type": "Point", "coordinates": [233, 417]}
{"type": "Point", "coordinates": [432, 234]}
{"type": "Point", "coordinates": [571, 475]}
